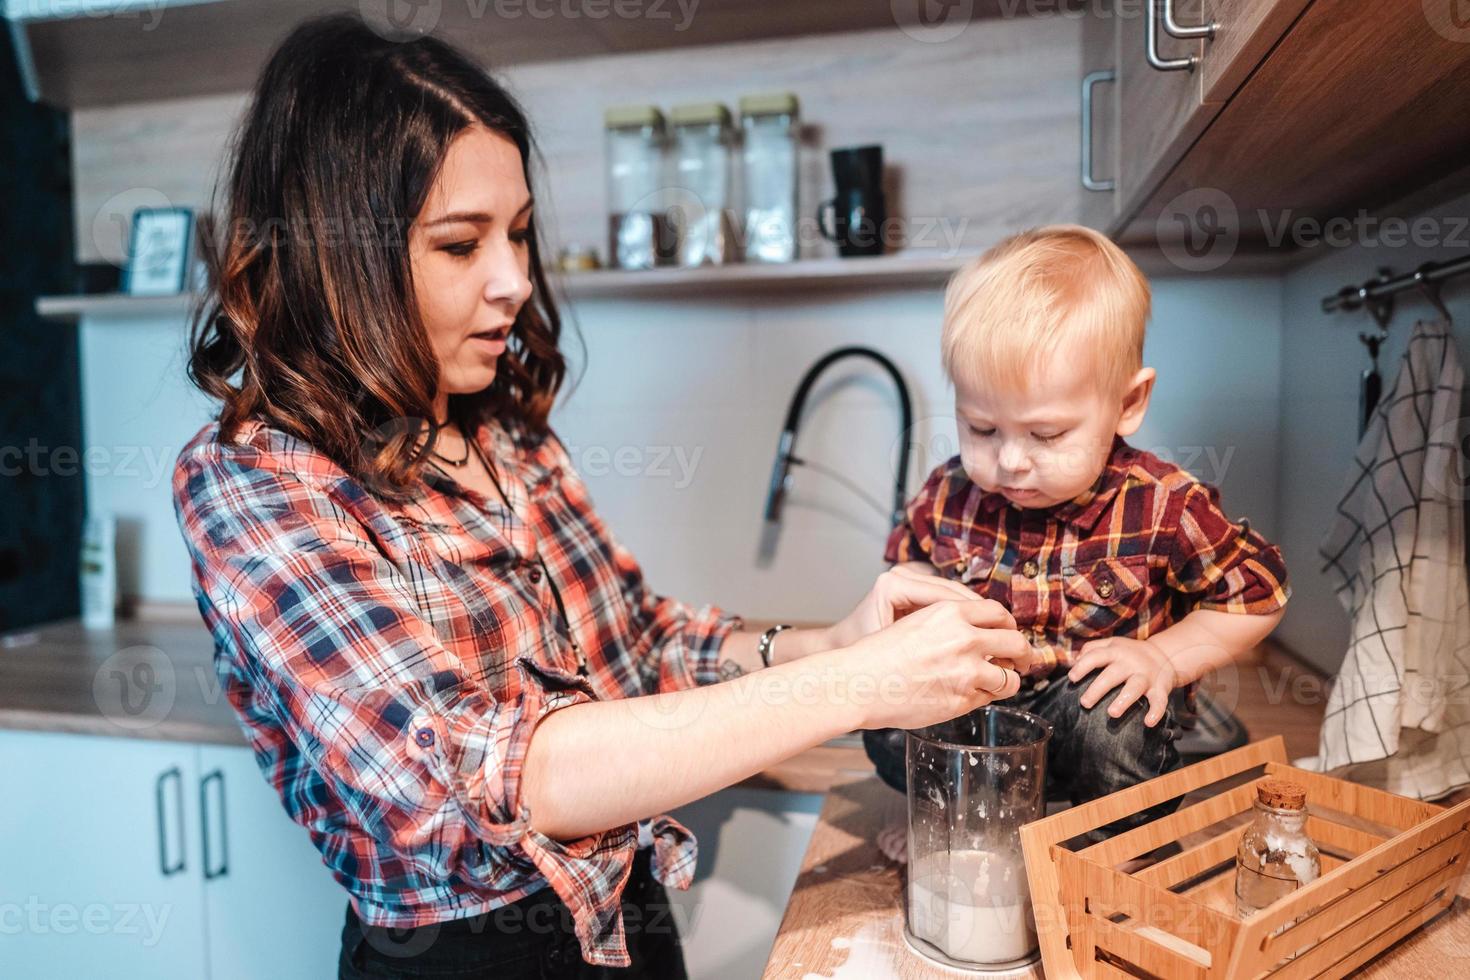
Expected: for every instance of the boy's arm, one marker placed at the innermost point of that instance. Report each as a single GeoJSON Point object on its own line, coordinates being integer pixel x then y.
{"type": "Point", "coordinates": [1201, 642]}
{"type": "Point", "coordinates": [1237, 580]}
{"type": "Point", "coordinates": [1206, 640]}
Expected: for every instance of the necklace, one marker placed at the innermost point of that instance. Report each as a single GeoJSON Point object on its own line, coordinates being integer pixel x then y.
{"type": "Point", "coordinates": [453, 462]}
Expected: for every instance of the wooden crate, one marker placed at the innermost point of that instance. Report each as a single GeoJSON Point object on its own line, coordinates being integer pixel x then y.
{"type": "Point", "coordinates": [1389, 864]}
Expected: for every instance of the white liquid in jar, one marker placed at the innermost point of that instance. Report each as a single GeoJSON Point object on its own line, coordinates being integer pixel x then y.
{"type": "Point", "coordinates": [973, 906]}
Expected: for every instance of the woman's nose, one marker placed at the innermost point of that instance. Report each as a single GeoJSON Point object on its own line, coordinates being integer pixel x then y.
{"type": "Point", "coordinates": [508, 280]}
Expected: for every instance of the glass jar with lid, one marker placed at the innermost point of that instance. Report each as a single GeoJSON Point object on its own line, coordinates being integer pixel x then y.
{"type": "Point", "coordinates": [699, 204]}
{"type": "Point", "coordinates": [1275, 856]}
{"type": "Point", "coordinates": [770, 170]}
{"type": "Point", "coordinates": [638, 235]}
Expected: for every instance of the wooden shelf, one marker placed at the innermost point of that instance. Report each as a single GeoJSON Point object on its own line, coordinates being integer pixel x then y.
{"type": "Point", "coordinates": [881, 272]}
{"type": "Point", "coordinates": [160, 49]}
{"type": "Point", "coordinates": [71, 309]}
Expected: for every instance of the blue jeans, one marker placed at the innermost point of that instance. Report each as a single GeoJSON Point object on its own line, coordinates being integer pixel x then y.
{"type": "Point", "coordinates": [1089, 755]}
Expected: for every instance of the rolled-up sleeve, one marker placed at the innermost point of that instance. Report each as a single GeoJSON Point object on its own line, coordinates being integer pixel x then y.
{"type": "Point", "coordinates": [678, 644]}
{"type": "Point", "coordinates": [425, 758]}
{"type": "Point", "coordinates": [1223, 565]}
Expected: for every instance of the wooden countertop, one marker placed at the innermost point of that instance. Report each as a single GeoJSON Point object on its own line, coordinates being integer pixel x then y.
{"type": "Point", "coordinates": [153, 677]}
{"type": "Point", "coordinates": [137, 679]}
{"type": "Point", "coordinates": [844, 920]}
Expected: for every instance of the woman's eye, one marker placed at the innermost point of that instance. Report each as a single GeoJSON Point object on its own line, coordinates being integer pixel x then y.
{"type": "Point", "coordinates": [521, 237]}
{"type": "Point", "coordinates": [461, 249]}
{"type": "Point", "coordinates": [983, 433]}
{"type": "Point", "coordinates": [1047, 437]}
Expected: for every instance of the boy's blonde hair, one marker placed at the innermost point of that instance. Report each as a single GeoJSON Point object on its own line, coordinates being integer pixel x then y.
{"type": "Point", "coordinates": [1010, 311]}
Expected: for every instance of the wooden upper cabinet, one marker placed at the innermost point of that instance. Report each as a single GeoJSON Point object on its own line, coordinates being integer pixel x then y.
{"type": "Point", "coordinates": [1164, 107]}
{"type": "Point", "coordinates": [1099, 87]}
{"type": "Point", "coordinates": [1358, 108]}
{"type": "Point", "coordinates": [1245, 31]}
{"type": "Point", "coordinates": [1161, 111]}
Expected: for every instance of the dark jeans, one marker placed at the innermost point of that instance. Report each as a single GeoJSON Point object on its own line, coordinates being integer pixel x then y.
{"type": "Point", "coordinates": [1089, 755]}
{"type": "Point", "coordinates": [530, 939]}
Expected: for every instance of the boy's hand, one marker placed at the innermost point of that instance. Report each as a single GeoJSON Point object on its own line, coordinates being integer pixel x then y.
{"type": "Point", "coordinates": [1140, 666]}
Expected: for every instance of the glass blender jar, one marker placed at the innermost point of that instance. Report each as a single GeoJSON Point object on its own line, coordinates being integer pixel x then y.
{"type": "Point", "coordinates": [972, 782]}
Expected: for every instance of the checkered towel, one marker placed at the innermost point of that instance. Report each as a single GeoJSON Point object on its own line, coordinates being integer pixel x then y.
{"type": "Point", "coordinates": [1397, 716]}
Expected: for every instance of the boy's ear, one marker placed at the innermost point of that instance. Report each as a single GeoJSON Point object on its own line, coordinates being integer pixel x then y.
{"type": "Point", "coordinates": [1135, 401]}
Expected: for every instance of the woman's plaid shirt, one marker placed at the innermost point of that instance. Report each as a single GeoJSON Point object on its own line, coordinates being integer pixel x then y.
{"type": "Point", "coordinates": [388, 664]}
{"type": "Point", "coordinates": [1140, 550]}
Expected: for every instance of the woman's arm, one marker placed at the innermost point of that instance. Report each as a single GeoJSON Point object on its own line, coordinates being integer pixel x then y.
{"type": "Point", "coordinates": [677, 747]}
{"type": "Point", "coordinates": [896, 592]}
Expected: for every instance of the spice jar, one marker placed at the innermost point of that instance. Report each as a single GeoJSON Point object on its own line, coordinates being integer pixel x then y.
{"type": "Point", "coordinates": [700, 204]}
{"type": "Point", "coordinates": [770, 162]}
{"type": "Point", "coordinates": [1275, 857]}
{"type": "Point", "coordinates": [638, 236]}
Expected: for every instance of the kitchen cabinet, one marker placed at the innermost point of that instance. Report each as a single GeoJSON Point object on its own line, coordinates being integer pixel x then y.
{"type": "Point", "coordinates": [1358, 107]}
{"type": "Point", "coordinates": [1284, 110]}
{"type": "Point", "coordinates": [1160, 110]}
{"type": "Point", "coordinates": [1099, 111]}
{"type": "Point", "coordinates": [127, 858]}
{"type": "Point", "coordinates": [99, 859]}
{"type": "Point", "coordinates": [1170, 88]}
{"type": "Point", "coordinates": [274, 910]}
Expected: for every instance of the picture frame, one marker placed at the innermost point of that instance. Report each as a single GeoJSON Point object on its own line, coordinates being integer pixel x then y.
{"type": "Point", "coordinates": [160, 250]}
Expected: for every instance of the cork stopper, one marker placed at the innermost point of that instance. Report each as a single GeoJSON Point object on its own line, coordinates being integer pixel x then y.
{"type": "Point", "coordinates": [1281, 794]}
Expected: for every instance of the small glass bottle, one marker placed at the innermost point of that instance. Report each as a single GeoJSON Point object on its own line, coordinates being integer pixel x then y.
{"type": "Point", "coordinates": [1275, 857]}
{"type": "Point", "coordinates": [700, 206]}
{"type": "Point", "coordinates": [770, 169]}
{"type": "Point", "coordinates": [638, 237]}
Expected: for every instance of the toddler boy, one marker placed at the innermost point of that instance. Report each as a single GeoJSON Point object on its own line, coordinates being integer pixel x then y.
{"type": "Point", "coordinates": [1122, 569]}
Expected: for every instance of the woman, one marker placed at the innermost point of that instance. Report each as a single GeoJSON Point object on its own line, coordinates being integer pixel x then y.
{"type": "Point", "coordinates": [406, 579]}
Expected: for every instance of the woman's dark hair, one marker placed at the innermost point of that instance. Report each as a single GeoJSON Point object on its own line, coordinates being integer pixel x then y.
{"type": "Point", "coordinates": [310, 298]}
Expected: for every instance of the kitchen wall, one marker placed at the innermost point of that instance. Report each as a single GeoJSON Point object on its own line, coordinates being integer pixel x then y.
{"type": "Point", "coordinates": [1319, 398]}
{"type": "Point", "coordinates": [674, 420]}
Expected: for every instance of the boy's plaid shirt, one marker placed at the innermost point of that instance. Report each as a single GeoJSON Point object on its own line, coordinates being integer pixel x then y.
{"type": "Point", "coordinates": [388, 664]}
{"type": "Point", "coordinates": [1140, 550]}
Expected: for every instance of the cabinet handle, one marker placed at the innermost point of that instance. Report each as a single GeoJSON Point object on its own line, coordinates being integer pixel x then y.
{"type": "Point", "coordinates": [1151, 41]}
{"type": "Point", "coordinates": [1089, 81]}
{"type": "Point", "coordinates": [1175, 29]}
{"type": "Point", "coordinates": [166, 869]}
{"type": "Point", "coordinates": [223, 868]}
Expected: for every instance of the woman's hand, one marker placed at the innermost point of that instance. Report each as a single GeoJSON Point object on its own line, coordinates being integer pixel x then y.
{"type": "Point", "coordinates": [937, 663]}
{"type": "Point", "coordinates": [897, 592]}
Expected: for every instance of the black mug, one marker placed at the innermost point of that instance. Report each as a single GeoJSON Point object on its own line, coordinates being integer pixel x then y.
{"type": "Point", "coordinates": [858, 209]}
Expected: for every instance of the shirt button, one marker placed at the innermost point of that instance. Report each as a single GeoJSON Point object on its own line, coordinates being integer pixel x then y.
{"type": "Point", "coordinates": [424, 736]}
{"type": "Point", "coordinates": [1105, 588]}
{"type": "Point", "coordinates": [1030, 569]}
{"type": "Point", "coordinates": [535, 575]}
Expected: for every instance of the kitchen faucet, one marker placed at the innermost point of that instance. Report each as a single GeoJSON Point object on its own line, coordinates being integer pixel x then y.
{"type": "Point", "coordinates": [786, 449]}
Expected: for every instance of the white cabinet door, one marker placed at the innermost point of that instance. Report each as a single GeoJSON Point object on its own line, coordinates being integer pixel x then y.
{"type": "Point", "coordinates": [99, 859]}
{"type": "Point", "coordinates": [274, 909]}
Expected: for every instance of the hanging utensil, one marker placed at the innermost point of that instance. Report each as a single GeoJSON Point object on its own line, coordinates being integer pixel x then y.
{"type": "Point", "coordinates": [1370, 385]}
